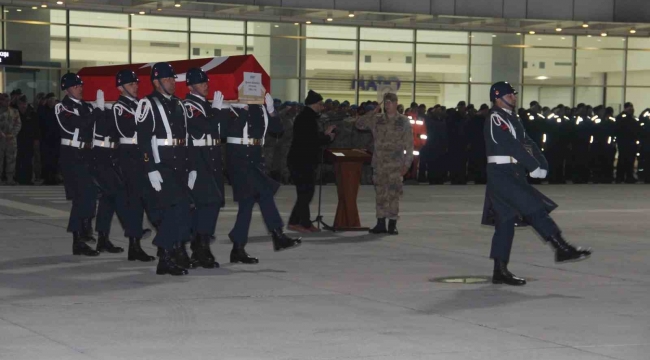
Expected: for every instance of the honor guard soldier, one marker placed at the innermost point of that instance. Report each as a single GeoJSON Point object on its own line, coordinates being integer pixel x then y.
{"type": "Point", "coordinates": [162, 137]}
{"type": "Point", "coordinates": [511, 153]}
{"type": "Point", "coordinates": [130, 161]}
{"type": "Point", "coordinates": [204, 126]}
{"type": "Point", "coordinates": [76, 120]}
{"type": "Point", "coordinates": [247, 126]}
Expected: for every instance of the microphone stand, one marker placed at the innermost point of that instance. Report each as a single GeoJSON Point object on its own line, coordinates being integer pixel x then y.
{"type": "Point", "coordinates": [319, 218]}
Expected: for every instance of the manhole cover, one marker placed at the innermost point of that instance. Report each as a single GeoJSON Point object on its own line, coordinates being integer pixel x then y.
{"type": "Point", "coordinates": [462, 280]}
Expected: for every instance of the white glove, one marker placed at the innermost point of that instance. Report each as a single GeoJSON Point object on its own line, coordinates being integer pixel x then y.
{"type": "Point", "coordinates": [268, 99]}
{"type": "Point", "coordinates": [217, 100]}
{"type": "Point", "coordinates": [156, 180]}
{"type": "Point", "coordinates": [109, 106]}
{"type": "Point", "coordinates": [100, 100]}
{"type": "Point", "coordinates": [191, 179]}
{"type": "Point", "coordinates": [544, 173]}
{"type": "Point", "coordinates": [538, 173]}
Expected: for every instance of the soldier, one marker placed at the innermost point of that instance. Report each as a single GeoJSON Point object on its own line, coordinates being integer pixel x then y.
{"type": "Point", "coordinates": [162, 137]}
{"type": "Point", "coordinates": [76, 120]}
{"type": "Point", "coordinates": [511, 153]}
{"type": "Point", "coordinates": [26, 137]}
{"type": "Point", "coordinates": [9, 127]}
{"type": "Point", "coordinates": [50, 142]}
{"type": "Point", "coordinates": [477, 160]}
{"type": "Point", "coordinates": [204, 127]}
{"type": "Point", "coordinates": [644, 136]}
{"type": "Point", "coordinates": [627, 129]}
{"type": "Point", "coordinates": [582, 141]}
{"type": "Point", "coordinates": [247, 126]}
{"type": "Point", "coordinates": [458, 145]}
{"type": "Point", "coordinates": [393, 155]}
{"type": "Point", "coordinates": [130, 162]}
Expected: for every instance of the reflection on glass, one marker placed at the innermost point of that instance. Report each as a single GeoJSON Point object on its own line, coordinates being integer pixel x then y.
{"type": "Point", "coordinates": [447, 95]}
{"type": "Point", "coordinates": [98, 19]}
{"type": "Point", "coordinates": [330, 59]}
{"type": "Point", "coordinates": [549, 40]}
{"type": "Point", "coordinates": [386, 34]}
{"type": "Point", "coordinates": [331, 32]}
{"type": "Point", "coordinates": [206, 45]}
{"type": "Point", "coordinates": [273, 29]}
{"type": "Point", "coordinates": [638, 68]}
{"type": "Point", "coordinates": [217, 26]}
{"type": "Point", "coordinates": [278, 56]}
{"type": "Point", "coordinates": [548, 66]}
{"type": "Point", "coordinates": [159, 22]}
{"type": "Point", "coordinates": [332, 89]}
{"type": "Point", "coordinates": [600, 67]}
{"type": "Point", "coordinates": [382, 61]}
{"type": "Point", "coordinates": [448, 37]}
{"type": "Point", "coordinates": [97, 46]}
{"type": "Point", "coordinates": [155, 46]}
{"type": "Point", "coordinates": [442, 63]}
{"type": "Point", "coordinates": [550, 96]}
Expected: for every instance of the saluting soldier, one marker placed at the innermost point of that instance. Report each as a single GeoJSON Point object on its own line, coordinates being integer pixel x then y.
{"type": "Point", "coordinates": [162, 137]}
{"type": "Point", "coordinates": [130, 161]}
{"type": "Point", "coordinates": [511, 153]}
{"type": "Point", "coordinates": [204, 126]}
{"type": "Point", "coordinates": [247, 127]}
{"type": "Point", "coordinates": [76, 120]}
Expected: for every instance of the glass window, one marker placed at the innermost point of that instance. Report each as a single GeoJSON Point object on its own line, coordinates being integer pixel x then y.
{"type": "Point", "coordinates": [386, 61]}
{"type": "Point", "coordinates": [206, 45]}
{"type": "Point", "coordinates": [159, 22]}
{"type": "Point", "coordinates": [273, 29]}
{"type": "Point", "coordinates": [286, 89]}
{"type": "Point", "coordinates": [447, 37]}
{"type": "Point", "coordinates": [480, 94]}
{"type": "Point", "coordinates": [27, 13]}
{"type": "Point", "coordinates": [442, 63]}
{"type": "Point", "coordinates": [638, 43]}
{"type": "Point", "coordinates": [329, 89]}
{"type": "Point", "coordinates": [331, 32]}
{"type": "Point", "coordinates": [97, 46]}
{"type": "Point", "coordinates": [638, 68]}
{"type": "Point", "coordinates": [98, 19]}
{"type": "Point", "coordinates": [600, 67]}
{"type": "Point", "coordinates": [639, 97]}
{"type": "Point", "coordinates": [42, 45]}
{"type": "Point", "coordinates": [548, 66]}
{"type": "Point", "coordinates": [447, 95]}
{"type": "Point", "coordinates": [278, 56]}
{"type": "Point", "coordinates": [33, 81]}
{"type": "Point", "coordinates": [386, 34]}
{"type": "Point", "coordinates": [549, 40]}
{"type": "Point", "coordinates": [614, 98]}
{"type": "Point", "coordinates": [480, 38]}
{"type": "Point", "coordinates": [330, 59]}
{"type": "Point", "coordinates": [609, 42]}
{"type": "Point", "coordinates": [550, 96]}
{"type": "Point", "coordinates": [217, 26]}
{"type": "Point", "coordinates": [495, 63]}
{"type": "Point", "coordinates": [154, 46]}
{"type": "Point", "coordinates": [593, 96]}
{"type": "Point", "coordinates": [404, 91]}
{"type": "Point", "coordinates": [58, 17]}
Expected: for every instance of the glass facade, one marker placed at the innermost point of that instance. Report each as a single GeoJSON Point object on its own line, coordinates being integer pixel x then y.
{"type": "Point", "coordinates": [341, 62]}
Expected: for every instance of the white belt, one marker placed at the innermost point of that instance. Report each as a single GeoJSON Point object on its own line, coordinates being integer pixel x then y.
{"type": "Point", "coordinates": [206, 142]}
{"type": "Point", "coordinates": [170, 142]}
{"type": "Point", "coordinates": [104, 144]}
{"type": "Point", "coordinates": [76, 144]}
{"type": "Point", "coordinates": [127, 141]}
{"type": "Point", "coordinates": [501, 160]}
{"type": "Point", "coordinates": [245, 141]}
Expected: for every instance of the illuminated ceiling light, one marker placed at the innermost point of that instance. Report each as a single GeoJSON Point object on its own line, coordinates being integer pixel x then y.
{"type": "Point", "coordinates": [34, 7]}
{"type": "Point", "coordinates": [585, 25]}
{"type": "Point", "coordinates": [603, 34]}
{"type": "Point", "coordinates": [43, 5]}
{"type": "Point", "coordinates": [532, 32]}
{"type": "Point", "coordinates": [542, 77]}
{"type": "Point", "coordinates": [277, 26]}
{"type": "Point", "coordinates": [558, 29]}
{"type": "Point", "coordinates": [632, 31]}
{"type": "Point", "coordinates": [19, 10]}
{"type": "Point", "coordinates": [177, 3]}
{"type": "Point", "coordinates": [307, 22]}
{"type": "Point", "coordinates": [494, 35]}
{"type": "Point", "coordinates": [329, 17]}
{"type": "Point", "coordinates": [296, 23]}
{"type": "Point", "coordinates": [141, 13]}
{"type": "Point", "coordinates": [518, 34]}
{"type": "Point", "coordinates": [563, 38]}
{"type": "Point", "coordinates": [588, 35]}
{"type": "Point", "coordinates": [132, 14]}
{"type": "Point", "coordinates": [59, 2]}
{"type": "Point", "coordinates": [159, 6]}
{"type": "Point", "coordinates": [351, 14]}
{"type": "Point", "coordinates": [6, 10]}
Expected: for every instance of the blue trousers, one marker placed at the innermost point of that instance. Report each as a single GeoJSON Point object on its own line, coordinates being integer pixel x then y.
{"type": "Point", "coordinates": [270, 213]}
{"type": "Point", "coordinates": [204, 219]}
{"type": "Point", "coordinates": [504, 233]}
{"type": "Point", "coordinates": [108, 205]}
{"type": "Point", "coordinates": [174, 225]}
{"type": "Point", "coordinates": [83, 207]}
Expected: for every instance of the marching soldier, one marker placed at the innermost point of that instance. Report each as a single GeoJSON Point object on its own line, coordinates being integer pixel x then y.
{"type": "Point", "coordinates": [76, 120]}
{"type": "Point", "coordinates": [208, 193]}
{"type": "Point", "coordinates": [130, 158]}
{"type": "Point", "coordinates": [162, 137]}
{"type": "Point", "coordinates": [511, 153]}
{"type": "Point", "coordinates": [247, 127]}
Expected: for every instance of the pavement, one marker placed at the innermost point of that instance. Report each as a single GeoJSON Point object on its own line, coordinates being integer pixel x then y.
{"type": "Point", "coordinates": [419, 295]}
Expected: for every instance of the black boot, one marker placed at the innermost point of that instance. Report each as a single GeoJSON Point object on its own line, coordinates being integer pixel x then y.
{"type": "Point", "coordinates": [380, 228]}
{"type": "Point", "coordinates": [201, 252]}
{"type": "Point", "coordinates": [180, 257]}
{"type": "Point", "coordinates": [282, 242]}
{"type": "Point", "coordinates": [79, 247]}
{"type": "Point", "coordinates": [136, 253]}
{"type": "Point", "coordinates": [87, 233]}
{"type": "Point", "coordinates": [392, 227]}
{"type": "Point", "coordinates": [166, 264]}
{"type": "Point", "coordinates": [501, 275]}
{"type": "Point", "coordinates": [239, 255]}
{"type": "Point", "coordinates": [565, 252]}
{"type": "Point", "coordinates": [104, 244]}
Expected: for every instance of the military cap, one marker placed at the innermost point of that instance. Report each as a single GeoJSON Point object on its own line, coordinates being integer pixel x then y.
{"type": "Point", "coordinates": [501, 89]}
{"type": "Point", "coordinates": [125, 76]}
{"type": "Point", "coordinates": [196, 76]}
{"type": "Point", "coordinates": [69, 80]}
{"type": "Point", "coordinates": [162, 70]}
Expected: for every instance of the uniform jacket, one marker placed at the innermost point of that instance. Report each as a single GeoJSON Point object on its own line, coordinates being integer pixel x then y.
{"type": "Point", "coordinates": [105, 167]}
{"type": "Point", "coordinates": [508, 193]}
{"type": "Point", "coordinates": [130, 156]}
{"type": "Point", "coordinates": [10, 123]}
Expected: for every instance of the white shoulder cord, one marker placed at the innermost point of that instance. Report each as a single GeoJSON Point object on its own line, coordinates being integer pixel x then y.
{"type": "Point", "coordinates": [186, 116]}
{"type": "Point", "coordinates": [143, 110]}
{"type": "Point", "coordinates": [59, 108]}
{"type": "Point", "coordinates": [190, 105]}
{"type": "Point", "coordinates": [118, 110]}
{"type": "Point", "coordinates": [498, 121]}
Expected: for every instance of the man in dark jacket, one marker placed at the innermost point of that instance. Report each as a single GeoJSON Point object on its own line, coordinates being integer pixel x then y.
{"type": "Point", "coordinates": [304, 157]}
{"type": "Point", "coordinates": [511, 153]}
{"type": "Point", "coordinates": [26, 137]}
{"type": "Point", "coordinates": [50, 141]}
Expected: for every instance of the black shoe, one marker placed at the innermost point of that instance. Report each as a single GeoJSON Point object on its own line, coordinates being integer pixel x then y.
{"type": "Point", "coordinates": [136, 253]}
{"type": "Point", "coordinates": [87, 233]}
{"type": "Point", "coordinates": [166, 265]}
{"type": "Point", "coordinates": [181, 258]}
{"type": "Point", "coordinates": [501, 275]}
{"type": "Point", "coordinates": [282, 242]}
{"type": "Point", "coordinates": [392, 227]}
{"type": "Point", "coordinates": [380, 228]}
{"type": "Point", "coordinates": [201, 252]}
{"type": "Point", "coordinates": [146, 233]}
{"type": "Point", "coordinates": [565, 252]}
{"type": "Point", "coordinates": [239, 255]}
{"type": "Point", "coordinates": [104, 244]}
{"type": "Point", "coordinates": [79, 247]}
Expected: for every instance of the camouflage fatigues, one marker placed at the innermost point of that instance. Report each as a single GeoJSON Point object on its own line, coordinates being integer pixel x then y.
{"type": "Point", "coordinates": [10, 127]}
{"type": "Point", "coordinates": [393, 151]}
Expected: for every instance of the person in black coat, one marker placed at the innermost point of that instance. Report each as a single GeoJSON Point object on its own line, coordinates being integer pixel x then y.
{"type": "Point", "coordinates": [304, 156]}
{"type": "Point", "coordinates": [477, 159]}
{"type": "Point", "coordinates": [627, 132]}
{"type": "Point", "coordinates": [50, 141]}
{"type": "Point", "coordinates": [28, 134]}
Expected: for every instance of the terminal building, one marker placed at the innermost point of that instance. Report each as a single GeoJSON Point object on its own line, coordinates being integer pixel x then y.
{"type": "Point", "coordinates": [429, 51]}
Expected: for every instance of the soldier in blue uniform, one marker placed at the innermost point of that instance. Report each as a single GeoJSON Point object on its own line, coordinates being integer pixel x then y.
{"type": "Point", "coordinates": [76, 120]}
{"type": "Point", "coordinates": [162, 137]}
{"type": "Point", "coordinates": [511, 153]}
{"type": "Point", "coordinates": [204, 126]}
{"type": "Point", "coordinates": [130, 162]}
{"type": "Point", "coordinates": [247, 126]}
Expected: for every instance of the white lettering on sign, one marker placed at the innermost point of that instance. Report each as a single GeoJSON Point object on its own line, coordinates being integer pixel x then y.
{"type": "Point", "coordinates": [252, 84]}
{"type": "Point", "coordinates": [4, 54]}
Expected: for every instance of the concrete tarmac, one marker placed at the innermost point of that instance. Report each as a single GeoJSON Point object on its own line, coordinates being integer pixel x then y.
{"type": "Point", "coordinates": [340, 295]}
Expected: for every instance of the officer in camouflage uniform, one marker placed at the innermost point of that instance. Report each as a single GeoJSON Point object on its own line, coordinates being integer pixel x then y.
{"type": "Point", "coordinates": [9, 127]}
{"type": "Point", "coordinates": [391, 160]}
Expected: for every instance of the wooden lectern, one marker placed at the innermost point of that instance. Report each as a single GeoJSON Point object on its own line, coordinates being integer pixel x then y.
{"type": "Point", "coordinates": [347, 168]}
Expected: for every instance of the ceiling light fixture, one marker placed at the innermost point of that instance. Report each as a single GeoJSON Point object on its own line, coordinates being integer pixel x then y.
{"type": "Point", "coordinates": [585, 25]}
{"type": "Point", "coordinates": [351, 14]}
{"type": "Point", "coordinates": [558, 29]}
{"type": "Point", "coordinates": [588, 35]}
{"type": "Point", "coordinates": [59, 2]}
{"type": "Point", "coordinates": [159, 6]}
{"type": "Point", "coordinates": [518, 34]}
{"type": "Point", "coordinates": [43, 5]}
{"type": "Point", "coordinates": [329, 17]}
{"type": "Point", "coordinates": [177, 3]}
{"type": "Point", "coordinates": [632, 31]}
{"type": "Point", "coordinates": [307, 22]}
{"type": "Point", "coordinates": [34, 7]}
{"type": "Point", "coordinates": [542, 77]}
{"type": "Point", "coordinates": [296, 23]}
{"type": "Point", "coordinates": [603, 34]}
{"type": "Point", "coordinates": [141, 13]}
{"type": "Point", "coordinates": [532, 32]}
{"type": "Point", "coordinates": [19, 10]}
